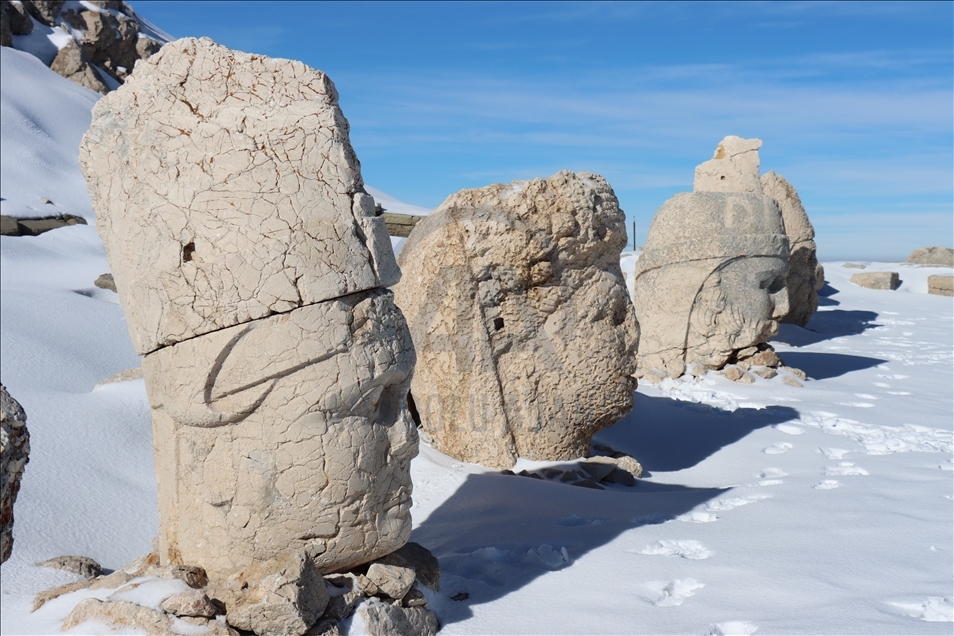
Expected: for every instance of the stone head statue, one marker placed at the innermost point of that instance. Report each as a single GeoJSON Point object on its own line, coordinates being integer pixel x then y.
{"type": "Point", "coordinates": [252, 272]}
{"type": "Point", "coordinates": [520, 316]}
{"type": "Point", "coordinates": [711, 279]}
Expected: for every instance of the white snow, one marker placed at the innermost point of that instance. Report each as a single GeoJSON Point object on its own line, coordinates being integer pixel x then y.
{"type": "Point", "coordinates": [765, 508]}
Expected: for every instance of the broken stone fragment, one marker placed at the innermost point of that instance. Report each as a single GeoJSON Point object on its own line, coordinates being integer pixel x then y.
{"type": "Point", "coordinates": [414, 598]}
{"type": "Point", "coordinates": [192, 575]}
{"type": "Point", "coordinates": [131, 615]}
{"type": "Point", "coordinates": [737, 374]}
{"type": "Point", "coordinates": [790, 381]}
{"type": "Point", "coordinates": [877, 280]}
{"type": "Point", "coordinates": [798, 373]}
{"type": "Point", "coordinates": [191, 603]}
{"type": "Point", "coordinates": [766, 373]}
{"type": "Point", "coordinates": [84, 566]}
{"type": "Point", "coordinates": [14, 455]}
{"type": "Point", "coordinates": [105, 281]}
{"type": "Point", "coordinates": [284, 596]}
{"type": "Point", "coordinates": [733, 168]}
{"type": "Point", "coordinates": [383, 619]}
{"type": "Point", "coordinates": [391, 580]}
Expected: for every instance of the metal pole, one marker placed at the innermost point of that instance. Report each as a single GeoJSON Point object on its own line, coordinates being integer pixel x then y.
{"type": "Point", "coordinates": [634, 236]}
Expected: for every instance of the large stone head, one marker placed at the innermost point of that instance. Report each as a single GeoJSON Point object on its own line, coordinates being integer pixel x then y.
{"type": "Point", "coordinates": [519, 312]}
{"type": "Point", "coordinates": [711, 279]}
{"type": "Point", "coordinates": [252, 271]}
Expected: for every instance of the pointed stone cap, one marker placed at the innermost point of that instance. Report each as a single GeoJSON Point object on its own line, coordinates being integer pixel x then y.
{"type": "Point", "coordinates": [226, 190]}
{"type": "Point", "coordinates": [733, 168]}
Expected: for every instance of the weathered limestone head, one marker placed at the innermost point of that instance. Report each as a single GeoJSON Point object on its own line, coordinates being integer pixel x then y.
{"type": "Point", "coordinates": [711, 279]}
{"type": "Point", "coordinates": [805, 275]}
{"type": "Point", "coordinates": [733, 168]}
{"type": "Point", "coordinates": [252, 271]}
{"type": "Point", "coordinates": [226, 190]}
{"type": "Point", "coordinates": [524, 330]}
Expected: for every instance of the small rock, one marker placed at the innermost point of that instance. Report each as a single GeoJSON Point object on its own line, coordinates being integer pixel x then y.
{"type": "Point", "coordinates": [46, 201]}
{"type": "Point", "coordinates": [364, 585]}
{"type": "Point", "coordinates": [746, 353]}
{"type": "Point", "coordinates": [193, 576]}
{"type": "Point", "coordinates": [766, 373]}
{"type": "Point", "coordinates": [941, 285]}
{"type": "Point", "coordinates": [84, 566]}
{"type": "Point", "coordinates": [191, 603]}
{"type": "Point", "coordinates": [798, 373]}
{"type": "Point", "coordinates": [414, 598]}
{"type": "Point", "coordinates": [877, 280]}
{"type": "Point", "coordinates": [425, 564]}
{"type": "Point", "coordinates": [392, 580]}
{"type": "Point", "coordinates": [105, 281]}
{"type": "Point", "coordinates": [733, 372]}
{"type": "Point", "coordinates": [598, 467]}
{"type": "Point", "coordinates": [14, 455]}
{"type": "Point", "coordinates": [765, 358]}
{"type": "Point", "coordinates": [570, 475]}
{"type": "Point", "coordinates": [855, 265]}
{"type": "Point", "coordinates": [630, 465]}
{"type": "Point", "coordinates": [621, 477]}
{"type": "Point", "coordinates": [324, 627]}
{"type": "Point", "coordinates": [790, 381]}
{"type": "Point", "coordinates": [588, 483]}
{"type": "Point", "coordinates": [391, 620]}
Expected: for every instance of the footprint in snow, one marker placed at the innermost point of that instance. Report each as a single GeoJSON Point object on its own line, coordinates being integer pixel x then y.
{"type": "Point", "coordinates": [934, 609]}
{"type": "Point", "coordinates": [698, 517]}
{"type": "Point", "coordinates": [788, 428]}
{"type": "Point", "coordinates": [859, 405]}
{"type": "Point", "coordinates": [866, 396]}
{"type": "Point", "coordinates": [882, 385]}
{"type": "Point", "coordinates": [671, 593]}
{"type": "Point", "coordinates": [722, 505]}
{"type": "Point", "coordinates": [834, 453]}
{"type": "Point", "coordinates": [688, 549]}
{"type": "Point", "coordinates": [828, 484]}
{"type": "Point", "coordinates": [898, 392]}
{"type": "Point", "coordinates": [732, 628]}
{"type": "Point", "coordinates": [778, 449]}
{"type": "Point", "coordinates": [845, 469]}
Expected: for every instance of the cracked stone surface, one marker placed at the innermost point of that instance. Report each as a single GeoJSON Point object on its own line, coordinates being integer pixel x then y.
{"type": "Point", "coordinates": [711, 280]}
{"type": "Point", "coordinates": [524, 330]}
{"type": "Point", "coordinates": [226, 190]}
{"type": "Point", "coordinates": [802, 281]}
{"type": "Point", "coordinates": [14, 455]}
{"type": "Point", "coordinates": [252, 270]}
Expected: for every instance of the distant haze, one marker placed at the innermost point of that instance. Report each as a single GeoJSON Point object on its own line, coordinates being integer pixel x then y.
{"type": "Point", "coordinates": [853, 101]}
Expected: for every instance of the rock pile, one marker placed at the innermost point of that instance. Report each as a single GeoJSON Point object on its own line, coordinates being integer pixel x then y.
{"type": "Point", "coordinates": [252, 272]}
{"type": "Point", "coordinates": [805, 274]}
{"type": "Point", "coordinates": [710, 284]}
{"type": "Point", "coordinates": [282, 602]}
{"type": "Point", "coordinates": [524, 330]}
{"type": "Point", "coordinates": [104, 38]}
{"type": "Point", "coordinates": [14, 455]}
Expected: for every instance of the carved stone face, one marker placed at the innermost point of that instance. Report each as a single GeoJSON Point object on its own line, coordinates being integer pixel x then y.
{"type": "Point", "coordinates": [289, 432]}
{"type": "Point", "coordinates": [739, 306]}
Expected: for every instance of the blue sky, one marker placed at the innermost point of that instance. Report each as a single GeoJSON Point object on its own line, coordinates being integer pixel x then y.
{"type": "Point", "coordinates": [854, 102]}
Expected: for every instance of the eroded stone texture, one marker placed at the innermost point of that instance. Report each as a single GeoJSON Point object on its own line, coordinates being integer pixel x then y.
{"type": "Point", "coordinates": [524, 330]}
{"type": "Point", "coordinates": [941, 285]}
{"type": "Point", "coordinates": [285, 433]}
{"type": "Point", "coordinates": [226, 190]}
{"type": "Point", "coordinates": [711, 280]}
{"type": "Point", "coordinates": [943, 256]}
{"type": "Point", "coordinates": [14, 455]}
{"type": "Point", "coordinates": [803, 268]}
{"type": "Point", "coordinates": [733, 168]}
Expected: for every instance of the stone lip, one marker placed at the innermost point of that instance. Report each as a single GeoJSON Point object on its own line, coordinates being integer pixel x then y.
{"type": "Point", "coordinates": [227, 190]}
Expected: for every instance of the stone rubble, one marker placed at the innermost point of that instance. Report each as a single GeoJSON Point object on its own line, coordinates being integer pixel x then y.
{"type": "Point", "coordinates": [519, 312]}
{"type": "Point", "coordinates": [14, 455]}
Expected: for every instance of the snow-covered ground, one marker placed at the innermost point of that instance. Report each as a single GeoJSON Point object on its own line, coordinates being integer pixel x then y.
{"type": "Point", "coordinates": [821, 509]}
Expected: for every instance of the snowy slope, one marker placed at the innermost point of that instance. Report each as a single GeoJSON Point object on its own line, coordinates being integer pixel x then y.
{"type": "Point", "coordinates": [767, 508]}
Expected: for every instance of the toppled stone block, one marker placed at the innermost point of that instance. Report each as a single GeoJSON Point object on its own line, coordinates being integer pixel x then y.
{"type": "Point", "coordinates": [801, 282]}
{"type": "Point", "coordinates": [84, 566]}
{"type": "Point", "coordinates": [941, 285]}
{"type": "Point", "coordinates": [943, 256]}
{"type": "Point", "coordinates": [855, 265]}
{"type": "Point", "coordinates": [521, 319]}
{"type": "Point", "coordinates": [14, 455]}
{"type": "Point", "coordinates": [400, 224]}
{"type": "Point", "coordinates": [877, 280]}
